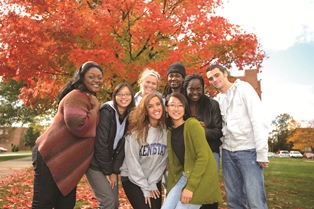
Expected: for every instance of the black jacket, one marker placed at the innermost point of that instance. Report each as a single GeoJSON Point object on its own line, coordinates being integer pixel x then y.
{"type": "Point", "coordinates": [213, 122]}
{"type": "Point", "coordinates": [106, 159]}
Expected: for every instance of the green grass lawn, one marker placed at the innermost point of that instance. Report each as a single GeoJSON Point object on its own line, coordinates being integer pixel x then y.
{"type": "Point", "coordinates": [19, 154]}
{"type": "Point", "coordinates": [289, 183]}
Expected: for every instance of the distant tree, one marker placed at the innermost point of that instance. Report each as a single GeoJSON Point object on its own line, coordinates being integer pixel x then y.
{"type": "Point", "coordinates": [279, 134]}
{"type": "Point", "coordinates": [30, 137]}
{"type": "Point", "coordinates": [301, 138]}
{"type": "Point", "coordinates": [12, 110]}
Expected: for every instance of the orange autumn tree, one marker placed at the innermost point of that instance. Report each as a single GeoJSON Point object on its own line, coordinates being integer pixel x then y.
{"type": "Point", "coordinates": [42, 42]}
{"type": "Point", "coordinates": [301, 138]}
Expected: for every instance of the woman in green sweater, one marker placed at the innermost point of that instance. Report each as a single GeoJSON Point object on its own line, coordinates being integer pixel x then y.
{"type": "Point", "coordinates": [192, 165]}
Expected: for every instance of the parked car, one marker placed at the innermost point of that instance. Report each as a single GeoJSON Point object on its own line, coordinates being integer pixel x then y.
{"type": "Point", "coordinates": [308, 155]}
{"type": "Point", "coordinates": [283, 153]}
{"type": "Point", "coordinates": [296, 154]}
{"type": "Point", "coordinates": [2, 149]}
{"type": "Point", "coordinates": [271, 155]}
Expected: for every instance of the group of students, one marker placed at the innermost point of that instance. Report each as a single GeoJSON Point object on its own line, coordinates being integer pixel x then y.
{"type": "Point", "coordinates": [144, 137]}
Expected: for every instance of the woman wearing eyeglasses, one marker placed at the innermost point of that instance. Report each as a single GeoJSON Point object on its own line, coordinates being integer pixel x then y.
{"type": "Point", "coordinates": [192, 173]}
{"type": "Point", "coordinates": [108, 157]}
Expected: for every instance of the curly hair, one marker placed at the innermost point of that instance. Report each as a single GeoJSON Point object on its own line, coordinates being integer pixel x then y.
{"type": "Point", "coordinates": [168, 90]}
{"type": "Point", "coordinates": [139, 120]}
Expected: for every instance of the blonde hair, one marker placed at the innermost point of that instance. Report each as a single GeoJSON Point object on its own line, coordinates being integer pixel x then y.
{"type": "Point", "coordinates": [148, 71]}
{"type": "Point", "coordinates": [139, 119]}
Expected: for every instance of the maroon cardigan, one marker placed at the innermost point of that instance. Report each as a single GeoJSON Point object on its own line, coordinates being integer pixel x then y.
{"type": "Point", "coordinates": [67, 147]}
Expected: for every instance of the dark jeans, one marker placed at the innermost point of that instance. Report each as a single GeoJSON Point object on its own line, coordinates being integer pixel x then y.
{"type": "Point", "coordinates": [210, 206]}
{"type": "Point", "coordinates": [136, 197]}
{"type": "Point", "coordinates": [46, 192]}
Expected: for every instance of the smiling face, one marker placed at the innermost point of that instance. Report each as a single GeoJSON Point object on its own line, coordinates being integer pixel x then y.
{"type": "Point", "coordinates": [154, 110]}
{"type": "Point", "coordinates": [149, 84]}
{"type": "Point", "coordinates": [194, 90]}
{"type": "Point", "coordinates": [93, 80]}
{"type": "Point", "coordinates": [123, 97]}
{"type": "Point", "coordinates": [218, 79]}
{"type": "Point", "coordinates": [175, 109]}
{"type": "Point", "coordinates": [175, 80]}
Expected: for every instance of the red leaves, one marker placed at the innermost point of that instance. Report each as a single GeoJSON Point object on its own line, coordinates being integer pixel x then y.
{"type": "Point", "coordinates": [16, 191]}
{"type": "Point", "coordinates": [46, 46]}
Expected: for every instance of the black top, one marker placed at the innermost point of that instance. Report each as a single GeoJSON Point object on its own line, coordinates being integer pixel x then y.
{"type": "Point", "coordinates": [105, 158]}
{"type": "Point", "coordinates": [177, 142]}
{"type": "Point", "coordinates": [211, 116]}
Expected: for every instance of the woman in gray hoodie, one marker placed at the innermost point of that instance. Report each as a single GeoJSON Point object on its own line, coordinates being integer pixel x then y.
{"type": "Point", "coordinates": [146, 155]}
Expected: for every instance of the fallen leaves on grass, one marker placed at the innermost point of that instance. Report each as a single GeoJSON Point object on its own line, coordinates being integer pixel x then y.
{"type": "Point", "coordinates": [16, 191]}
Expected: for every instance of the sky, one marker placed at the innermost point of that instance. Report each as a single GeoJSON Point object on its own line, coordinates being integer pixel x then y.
{"type": "Point", "coordinates": [285, 29]}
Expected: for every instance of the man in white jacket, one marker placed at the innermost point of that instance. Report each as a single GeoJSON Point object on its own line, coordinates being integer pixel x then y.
{"type": "Point", "coordinates": [245, 136]}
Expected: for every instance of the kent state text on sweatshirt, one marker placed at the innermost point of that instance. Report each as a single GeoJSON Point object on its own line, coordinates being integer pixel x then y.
{"type": "Point", "coordinates": [145, 163]}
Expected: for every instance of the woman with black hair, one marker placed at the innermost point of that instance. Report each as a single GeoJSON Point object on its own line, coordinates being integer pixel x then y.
{"type": "Point", "coordinates": [207, 111]}
{"type": "Point", "coordinates": [193, 177]}
{"type": "Point", "coordinates": [63, 153]}
{"type": "Point", "coordinates": [109, 154]}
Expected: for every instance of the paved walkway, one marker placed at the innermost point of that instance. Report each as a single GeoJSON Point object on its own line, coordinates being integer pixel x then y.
{"type": "Point", "coordinates": [7, 168]}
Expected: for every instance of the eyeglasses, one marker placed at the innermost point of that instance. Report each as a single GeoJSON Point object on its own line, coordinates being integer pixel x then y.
{"type": "Point", "coordinates": [197, 89]}
{"type": "Point", "coordinates": [179, 106]}
{"type": "Point", "coordinates": [123, 95]}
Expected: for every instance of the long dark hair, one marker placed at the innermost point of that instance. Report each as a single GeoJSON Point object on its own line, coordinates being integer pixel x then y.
{"type": "Point", "coordinates": [203, 102]}
{"type": "Point", "coordinates": [183, 100]}
{"type": "Point", "coordinates": [116, 91]}
{"type": "Point", "coordinates": [77, 81]}
{"type": "Point", "coordinates": [168, 90]}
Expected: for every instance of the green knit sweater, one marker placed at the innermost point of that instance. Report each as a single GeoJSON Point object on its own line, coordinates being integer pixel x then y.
{"type": "Point", "coordinates": [199, 165]}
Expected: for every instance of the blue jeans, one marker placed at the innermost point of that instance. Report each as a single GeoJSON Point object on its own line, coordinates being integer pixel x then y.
{"type": "Point", "coordinates": [244, 179]}
{"type": "Point", "coordinates": [173, 199]}
{"type": "Point", "coordinates": [217, 158]}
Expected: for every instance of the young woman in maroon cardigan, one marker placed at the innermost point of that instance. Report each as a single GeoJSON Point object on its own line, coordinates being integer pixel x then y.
{"type": "Point", "coordinates": [63, 153]}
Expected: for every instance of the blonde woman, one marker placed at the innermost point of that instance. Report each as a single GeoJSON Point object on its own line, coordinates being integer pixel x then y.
{"type": "Point", "coordinates": [148, 83]}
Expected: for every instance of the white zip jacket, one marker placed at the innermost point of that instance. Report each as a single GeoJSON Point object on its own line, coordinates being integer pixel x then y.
{"type": "Point", "coordinates": [244, 124]}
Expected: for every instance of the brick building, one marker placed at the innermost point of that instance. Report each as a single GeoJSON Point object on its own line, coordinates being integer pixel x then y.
{"type": "Point", "coordinates": [10, 136]}
{"type": "Point", "coordinates": [250, 76]}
